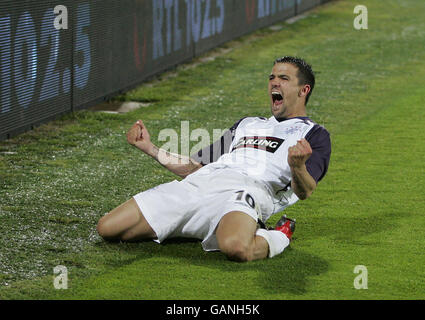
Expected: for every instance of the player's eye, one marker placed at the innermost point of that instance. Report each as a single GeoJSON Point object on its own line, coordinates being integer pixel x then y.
{"type": "Point", "coordinates": [283, 77]}
{"type": "Point", "coordinates": [271, 77]}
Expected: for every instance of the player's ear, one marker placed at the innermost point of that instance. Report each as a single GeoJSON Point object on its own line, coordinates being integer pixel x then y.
{"type": "Point", "coordinates": [304, 91]}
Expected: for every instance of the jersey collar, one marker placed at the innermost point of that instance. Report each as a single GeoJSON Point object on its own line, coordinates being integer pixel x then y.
{"type": "Point", "coordinates": [284, 119]}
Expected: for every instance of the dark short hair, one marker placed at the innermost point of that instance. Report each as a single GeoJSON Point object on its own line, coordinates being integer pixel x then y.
{"type": "Point", "coordinates": [305, 72]}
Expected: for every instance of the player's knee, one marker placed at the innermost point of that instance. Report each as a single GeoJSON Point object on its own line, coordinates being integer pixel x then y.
{"type": "Point", "coordinates": [104, 228]}
{"type": "Point", "coordinates": [236, 250]}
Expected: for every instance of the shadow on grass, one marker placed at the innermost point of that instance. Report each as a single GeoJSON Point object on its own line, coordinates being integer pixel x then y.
{"type": "Point", "coordinates": [286, 273]}
{"type": "Point", "coordinates": [290, 272]}
{"type": "Point", "coordinates": [340, 227]}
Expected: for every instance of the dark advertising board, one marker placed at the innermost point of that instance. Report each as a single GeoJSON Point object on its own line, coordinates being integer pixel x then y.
{"type": "Point", "coordinates": [60, 56]}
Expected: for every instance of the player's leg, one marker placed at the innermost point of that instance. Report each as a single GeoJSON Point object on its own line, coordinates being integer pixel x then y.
{"type": "Point", "coordinates": [237, 239]}
{"type": "Point", "coordinates": [126, 223]}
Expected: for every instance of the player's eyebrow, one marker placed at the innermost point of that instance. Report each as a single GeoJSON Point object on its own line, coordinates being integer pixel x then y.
{"type": "Point", "coordinates": [272, 76]}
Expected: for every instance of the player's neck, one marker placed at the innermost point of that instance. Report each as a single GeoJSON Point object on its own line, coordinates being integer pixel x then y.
{"type": "Point", "coordinates": [297, 112]}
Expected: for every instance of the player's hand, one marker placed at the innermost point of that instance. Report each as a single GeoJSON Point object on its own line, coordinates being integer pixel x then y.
{"type": "Point", "coordinates": [139, 137]}
{"type": "Point", "coordinates": [299, 154]}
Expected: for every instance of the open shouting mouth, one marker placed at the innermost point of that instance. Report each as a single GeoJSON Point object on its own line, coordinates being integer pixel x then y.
{"type": "Point", "coordinates": [277, 98]}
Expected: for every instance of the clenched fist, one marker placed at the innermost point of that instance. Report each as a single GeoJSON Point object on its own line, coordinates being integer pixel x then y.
{"type": "Point", "coordinates": [139, 137]}
{"type": "Point", "coordinates": [299, 154]}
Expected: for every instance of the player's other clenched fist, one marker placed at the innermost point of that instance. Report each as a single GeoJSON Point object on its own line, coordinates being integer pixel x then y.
{"type": "Point", "coordinates": [138, 136]}
{"type": "Point", "coordinates": [299, 154]}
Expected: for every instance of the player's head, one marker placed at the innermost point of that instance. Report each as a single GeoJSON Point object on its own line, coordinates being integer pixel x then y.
{"type": "Point", "coordinates": [291, 83]}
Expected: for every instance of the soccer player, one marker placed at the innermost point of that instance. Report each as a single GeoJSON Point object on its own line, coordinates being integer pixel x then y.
{"type": "Point", "coordinates": [258, 167]}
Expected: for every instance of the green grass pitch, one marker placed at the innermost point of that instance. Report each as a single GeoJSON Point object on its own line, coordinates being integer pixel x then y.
{"type": "Point", "coordinates": [58, 180]}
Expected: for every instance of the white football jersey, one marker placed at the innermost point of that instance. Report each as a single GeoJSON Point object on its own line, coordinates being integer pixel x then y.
{"type": "Point", "coordinates": [258, 147]}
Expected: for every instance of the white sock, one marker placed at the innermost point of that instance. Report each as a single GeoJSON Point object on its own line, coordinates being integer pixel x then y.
{"type": "Point", "coordinates": [277, 241]}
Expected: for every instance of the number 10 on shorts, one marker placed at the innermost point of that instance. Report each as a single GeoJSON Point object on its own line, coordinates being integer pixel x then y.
{"type": "Point", "coordinates": [245, 197]}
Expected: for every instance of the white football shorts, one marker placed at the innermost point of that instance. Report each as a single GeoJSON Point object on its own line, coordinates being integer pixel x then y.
{"type": "Point", "coordinates": [193, 207]}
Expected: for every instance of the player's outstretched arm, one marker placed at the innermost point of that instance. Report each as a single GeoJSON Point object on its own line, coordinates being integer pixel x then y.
{"type": "Point", "coordinates": [139, 137]}
{"type": "Point", "coordinates": [302, 182]}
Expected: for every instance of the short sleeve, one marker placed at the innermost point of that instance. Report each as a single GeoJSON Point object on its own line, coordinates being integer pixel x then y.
{"type": "Point", "coordinates": [320, 142]}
